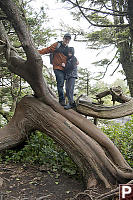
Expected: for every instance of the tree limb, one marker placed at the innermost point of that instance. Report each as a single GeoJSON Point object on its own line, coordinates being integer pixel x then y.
{"type": "Point", "coordinates": [88, 108]}
{"type": "Point", "coordinates": [114, 12]}
{"type": "Point", "coordinates": [98, 25]}
{"type": "Point", "coordinates": [30, 70]}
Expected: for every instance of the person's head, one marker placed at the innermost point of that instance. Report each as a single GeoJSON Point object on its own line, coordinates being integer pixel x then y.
{"type": "Point", "coordinates": [66, 39]}
{"type": "Point", "coordinates": [70, 51]}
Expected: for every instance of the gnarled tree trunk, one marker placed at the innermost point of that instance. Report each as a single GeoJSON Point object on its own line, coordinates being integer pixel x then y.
{"type": "Point", "coordinates": [101, 163]}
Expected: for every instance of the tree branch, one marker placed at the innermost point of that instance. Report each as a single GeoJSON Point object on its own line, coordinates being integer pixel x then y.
{"type": "Point", "coordinates": [118, 13]}
{"type": "Point", "coordinates": [30, 70]}
{"type": "Point", "coordinates": [107, 67]}
{"type": "Point", "coordinates": [18, 21]}
{"type": "Point", "coordinates": [98, 25]}
{"type": "Point", "coordinates": [115, 69]}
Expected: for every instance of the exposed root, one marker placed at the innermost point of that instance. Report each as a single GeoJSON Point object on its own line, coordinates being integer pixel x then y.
{"type": "Point", "coordinates": [82, 196]}
{"type": "Point", "coordinates": [93, 194]}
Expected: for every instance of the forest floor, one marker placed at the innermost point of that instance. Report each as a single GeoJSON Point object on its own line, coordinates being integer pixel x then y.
{"type": "Point", "coordinates": [22, 182]}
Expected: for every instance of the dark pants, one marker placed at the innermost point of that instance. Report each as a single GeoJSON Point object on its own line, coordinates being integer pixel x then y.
{"type": "Point", "coordinates": [70, 83]}
{"type": "Point", "coordinates": [60, 84]}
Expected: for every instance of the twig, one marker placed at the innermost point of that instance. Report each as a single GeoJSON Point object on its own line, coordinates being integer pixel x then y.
{"type": "Point", "coordinates": [82, 194]}
{"type": "Point", "coordinates": [115, 70]}
{"type": "Point", "coordinates": [107, 67]}
{"type": "Point", "coordinates": [2, 42]}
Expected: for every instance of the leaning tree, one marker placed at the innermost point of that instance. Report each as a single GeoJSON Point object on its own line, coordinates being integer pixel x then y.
{"type": "Point", "coordinates": [101, 163]}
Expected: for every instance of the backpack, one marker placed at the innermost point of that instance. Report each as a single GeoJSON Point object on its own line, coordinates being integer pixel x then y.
{"type": "Point", "coordinates": [52, 54]}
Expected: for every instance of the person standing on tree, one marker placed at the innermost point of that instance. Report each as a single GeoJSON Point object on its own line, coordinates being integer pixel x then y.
{"type": "Point", "coordinates": [70, 69]}
{"type": "Point", "coordinates": [59, 51]}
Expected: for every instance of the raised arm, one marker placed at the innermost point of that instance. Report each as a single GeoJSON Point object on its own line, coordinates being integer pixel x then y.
{"type": "Point", "coordinates": [50, 49]}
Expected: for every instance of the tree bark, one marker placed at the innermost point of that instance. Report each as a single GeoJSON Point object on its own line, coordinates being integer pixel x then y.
{"type": "Point", "coordinates": [88, 108]}
{"type": "Point", "coordinates": [130, 15]}
{"type": "Point", "coordinates": [127, 62]}
{"type": "Point", "coordinates": [100, 162]}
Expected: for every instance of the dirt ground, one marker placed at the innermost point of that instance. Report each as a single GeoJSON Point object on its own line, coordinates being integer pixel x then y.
{"type": "Point", "coordinates": [20, 182]}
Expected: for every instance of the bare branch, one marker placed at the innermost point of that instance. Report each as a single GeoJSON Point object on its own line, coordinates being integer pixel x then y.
{"type": "Point", "coordinates": [115, 70]}
{"type": "Point", "coordinates": [107, 67]}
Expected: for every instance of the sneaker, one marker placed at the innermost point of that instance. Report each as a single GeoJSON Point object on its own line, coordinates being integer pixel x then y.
{"type": "Point", "coordinates": [62, 103]}
{"type": "Point", "coordinates": [69, 106]}
{"type": "Point", "coordinates": [73, 104]}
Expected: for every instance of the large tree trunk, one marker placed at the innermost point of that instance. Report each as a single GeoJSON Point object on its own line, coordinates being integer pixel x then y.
{"type": "Point", "coordinates": [127, 63]}
{"type": "Point", "coordinates": [125, 46]}
{"type": "Point", "coordinates": [130, 15]}
{"type": "Point", "coordinates": [100, 162]}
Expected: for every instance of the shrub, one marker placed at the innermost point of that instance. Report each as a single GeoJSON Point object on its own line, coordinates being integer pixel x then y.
{"type": "Point", "coordinates": [122, 136]}
{"type": "Point", "coordinates": [41, 149]}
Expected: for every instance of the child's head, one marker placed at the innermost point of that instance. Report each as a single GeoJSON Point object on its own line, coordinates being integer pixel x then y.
{"type": "Point", "coordinates": [70, 51]}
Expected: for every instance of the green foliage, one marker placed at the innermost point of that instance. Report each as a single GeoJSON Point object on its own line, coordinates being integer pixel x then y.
{"type": "Point", "coordinates": [82, 85]}
{"type": "Point", "coordinates": [99, 38]}
{"type": "Point", "coordinates": [102, 62]}
{"type": "Point", "coordinates": [38, 22]}
{"type": "Point", "coordinates": [122, 137]}
{"type": "Point", "coordinates": [85, 86]}
{"type": "Point", "coordinates": [122, 35]}
{"type": "Point", "coordinates": [98, 19]}
{"type": "Point", "coordinates": [41, 149]}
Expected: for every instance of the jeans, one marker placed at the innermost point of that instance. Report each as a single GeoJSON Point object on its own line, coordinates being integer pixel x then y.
{"type": "Point", "coordinates": [59, 74]}
{"type": "Point", "coordinates": [70, 83]}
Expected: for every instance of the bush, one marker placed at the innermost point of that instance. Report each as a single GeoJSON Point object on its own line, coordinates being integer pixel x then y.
{"type": "Point", "coordinates": [41, 149]}
{"type": "Point", "coordinates": [122, 136]}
